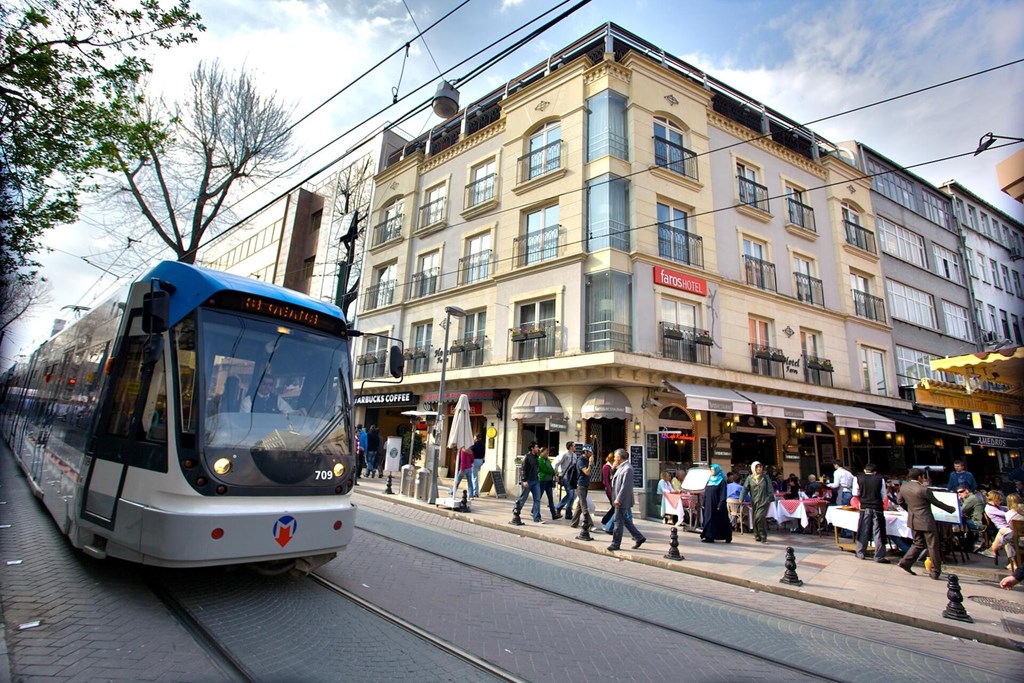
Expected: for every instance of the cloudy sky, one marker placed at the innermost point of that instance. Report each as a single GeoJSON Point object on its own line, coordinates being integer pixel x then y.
{"type": "Point", "coordinates": [807, 60]}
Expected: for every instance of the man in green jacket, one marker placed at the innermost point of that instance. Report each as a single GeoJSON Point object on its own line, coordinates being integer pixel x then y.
{"type": "Point", "coordinates": [762, 496]}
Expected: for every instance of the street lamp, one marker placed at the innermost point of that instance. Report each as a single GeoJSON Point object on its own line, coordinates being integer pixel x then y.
{"type": "Point", "coordinates": [439, 434]}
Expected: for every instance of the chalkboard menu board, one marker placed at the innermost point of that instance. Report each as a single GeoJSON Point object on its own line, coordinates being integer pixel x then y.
{"type": "Point", "coordinates": [652, 445]}
{"type": "Point", "coordinates": [636, 461]}
{"type": "Point", "coordinates": [497, 479]}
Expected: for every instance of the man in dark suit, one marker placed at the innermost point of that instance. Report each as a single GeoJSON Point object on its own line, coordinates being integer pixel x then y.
{"type": "Point", "coordinates": [917, 499]}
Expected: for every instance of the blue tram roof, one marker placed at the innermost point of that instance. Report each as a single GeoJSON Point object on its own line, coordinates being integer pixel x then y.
{"type": "Point", "coordinates": [195, 285]}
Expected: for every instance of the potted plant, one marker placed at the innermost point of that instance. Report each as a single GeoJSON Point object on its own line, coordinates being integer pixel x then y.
{"type": "Point", "coordinates": [367, 359]}
{"type": "Point", "coordinates": [704, 338]}
{"type": "Point", "coordinates": [471, 345]}
{"type": "Point", "coordinates": [535, 333]}
{"type": "Point", "coordinates": [762, 352]}
{"type": "Point", "coordinates": [457, 347]}
{"type": "Point", "coordinates": [778, 356]}
{"type": "Point", "coordinates": [673, 333]}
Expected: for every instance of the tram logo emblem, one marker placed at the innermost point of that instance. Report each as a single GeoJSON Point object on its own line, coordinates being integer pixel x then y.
{"type": "Point", "coordinates": [284, 529]}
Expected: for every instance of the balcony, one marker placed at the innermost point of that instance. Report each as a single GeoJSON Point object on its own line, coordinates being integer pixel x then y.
{"type": "Point", "coordinates": [481, 191]}
{"type": "Point", "coordinates": [531, 341]}
{"type": "Point", "coordinates": [380, 295]}
{"type": "Point", "coordinates": [818, 371]}
{"type": "Point", "coordinates": [868, 306]}
{"type": "Point", "coordinates": [767, 361]}
{"type": "Point", "coordinates": [388, 230]}
{"type": "Point", "coordinates": [434, 214]}
{"type": "Point", "coordinates": [800, 215]}
{"type": "Point", "coordinates": [809, 289]}
{"type": "Point", "coordinates": [608, 234]}
{"type": "Point", "coordinates": [687, 344]}
{"type": "Point", "coordinates": [860, 237]}
{"type": "Point", "coordinates": [467, 352]}
{"type": "Point", "coordinates": [424, 283]}
{"type": "Point", "coordinates": [675, 158]}
{"type": "Point", "coordinates": [760, 273]}
{"type": "Point", "coordinates": [370, 365]}
{"type": "Point", "coordinates": [541, 162]}
{"type": "Point", "coordinates": [606, 335]}
{"type": "Point", "coordinates": [417, 359]}
{"type": "Point", "coordinates": [676, 243]}
{"type": "Point", "coordinates": [752, 194]}
{"type": "Point", "coordinates": [536, 247]}
{"type": "Point", "coordinates": [475, 267]}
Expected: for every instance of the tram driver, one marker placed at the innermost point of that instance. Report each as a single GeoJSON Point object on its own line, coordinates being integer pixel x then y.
{"type": "Point", "coordinates": [267, 398]}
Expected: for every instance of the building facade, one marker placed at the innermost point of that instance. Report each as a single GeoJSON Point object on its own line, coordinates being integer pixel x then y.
{"type": "Point", "coordinates": [640, 257]}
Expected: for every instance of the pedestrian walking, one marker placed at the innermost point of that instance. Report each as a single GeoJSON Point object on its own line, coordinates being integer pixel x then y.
{"type": "Point", "coordinates": [917, 499]}
{"type": "Point", "coordinates": [606, 480]}
{"type": "Point", "coordinates": [717, 526]}
{"type": "Point", "coordinates": [360, 452]}
{"type": "Point", "coordinates": [372, 448]}
{"type": "Point", "coordinates": [546, 476]}
{"type": "Point", "coordinates": [530, 482]}
{"type": "Point", "coordinates": [869, 488]}
{"type": "Point", "coordinates": [584, 466]}
{"type": "Point", "coordinates": [562, 463]}
{"type": "Point", "coordinates": [464, 467]}
{"type": "Point", "coordinates": [622, 501]}
{"type": "Point", "coordinates": [478, 461]}
{"type": "Point", "coordinates": [761, 497]}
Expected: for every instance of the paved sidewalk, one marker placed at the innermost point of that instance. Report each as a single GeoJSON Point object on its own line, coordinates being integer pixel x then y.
{"type": "Point", "coordinates": [831, 577]}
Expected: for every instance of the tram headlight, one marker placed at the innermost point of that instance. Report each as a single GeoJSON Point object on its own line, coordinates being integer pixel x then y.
{"type": "Point", "coordinates": [339, 469]}
{"type": "Point", "coordinates": [222, 466]}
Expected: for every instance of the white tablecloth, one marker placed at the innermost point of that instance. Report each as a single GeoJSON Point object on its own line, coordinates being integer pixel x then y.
{"type": "Point", "coordinates": [780, 514]}
{"type": "Point", "coordinates": [895, 521]}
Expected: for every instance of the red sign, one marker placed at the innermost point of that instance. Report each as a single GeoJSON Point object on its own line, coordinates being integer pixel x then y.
{"type": "Point", "coordinates": [681, 281]}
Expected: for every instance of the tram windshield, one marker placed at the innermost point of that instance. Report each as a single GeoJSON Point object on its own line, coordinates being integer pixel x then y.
{"type": "Point", "coordinates": [269, 391]}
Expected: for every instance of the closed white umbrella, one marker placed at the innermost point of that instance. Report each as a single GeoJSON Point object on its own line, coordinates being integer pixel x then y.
{"type": "Point", "coordinates": [461, 435]}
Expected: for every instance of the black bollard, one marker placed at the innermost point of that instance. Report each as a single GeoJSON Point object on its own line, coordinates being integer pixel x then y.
{"type": "Point", "coordinates": [790, 576]}
{"type": "Point", "coordinates": [673, 546]}
{"type": "Point", "coordinates": [388, 489]}
{"type": "Point", "coordinates": [584, 534]}
{"type": "Point", "coordinates": [464, 503]}
{"type": "Point", "coordinates": [955, 608]}
{"type": "Point", "coordinates": [516, 521]}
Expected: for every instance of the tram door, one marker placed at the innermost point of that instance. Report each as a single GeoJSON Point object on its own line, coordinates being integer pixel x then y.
{"type": "Point", "coordinates": [103, 485]}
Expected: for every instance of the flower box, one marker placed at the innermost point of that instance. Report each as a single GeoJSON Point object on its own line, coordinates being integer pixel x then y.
{"type": "Point", "coordinates": [704, 339]}
{"type": "Point", "coordinates": [779, 356]}
{"type": "Point", "coordinates": [457, 348]}
{"type": "Point", "coordinates": [672, 333]}
{"type": "Point", "coordinates": [762, 353]}
{"type": "Point", "coordinates": [367, 359]}
{"type": "Point", "coordinates": [824, 365]}
{"type": "Point", "coordinates": [524, 335]}
{"type": "Point", "coordinates": [471, 346]}
{"type": "Point", "coordinates": [536, 334]}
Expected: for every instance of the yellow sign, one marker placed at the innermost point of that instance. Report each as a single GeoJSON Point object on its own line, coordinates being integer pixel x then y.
{"type": "Point", "coordinates": [491, 432]}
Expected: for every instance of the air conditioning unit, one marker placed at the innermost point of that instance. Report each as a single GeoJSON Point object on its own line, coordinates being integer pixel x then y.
{"type": "Point", "coordinates": [1016, 253]}
{"type": "Point", "coordinates": [989, 337]}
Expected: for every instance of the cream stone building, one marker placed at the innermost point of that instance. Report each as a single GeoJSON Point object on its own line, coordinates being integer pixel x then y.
{"type": "Point", "coordinates": [645, 258]}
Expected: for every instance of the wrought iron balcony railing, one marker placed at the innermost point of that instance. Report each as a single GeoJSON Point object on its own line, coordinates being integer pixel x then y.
{"type": "Point", "coordinates": [541, 161]}
{"type": "Point", "coordinates": [809, 289]}
{"type": "Point", "coordinates": [475, 267]}
{"type": "Point", "coordinates": [680, 245]}
{"type": "Point", "coordinates": [860, 237]}
{"type": "Point", "coordinates": [536, 247]}
{"type": "Point", "coordinates": [480, 191]}
{"type": "Point", "coordinates": [675, 158]}
{"type": "Point", "coordinates": [767, 361]}
{"type": "Point", "coordinates": [753, 194]}
{"type": "Point", "coordinates": [800, 214]}
{"type": "Point", "coordinates": [533, 340]}
{"type": "Point", "coordinates": [380, 295]}
{"type": "Point", "coordinates": [685, 343]}
{"type": "Point", "coordinates": [867, 306]}
{"type": "Point", "coordinates": [390, 229]}
{"type": "Point", "coordinates": [760, 273]}
{"type": "Point", "coordinates": [425, 283]}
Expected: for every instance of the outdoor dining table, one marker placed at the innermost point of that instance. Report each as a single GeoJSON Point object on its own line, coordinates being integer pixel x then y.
{"type": "Point", "coordinates": [687, 506]}
{"type": "Point", "coordinates": [849, 518]}
{"type": "Point", "coordinates": [783, 510]}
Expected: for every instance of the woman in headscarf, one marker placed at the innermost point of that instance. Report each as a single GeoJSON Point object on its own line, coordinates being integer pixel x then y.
{"type": "Point", "coordinates": [668, 513]}
{"type": "Point", "coordinates": [761, 496]}
{"type": "Point", "coordinates": [717, 526]}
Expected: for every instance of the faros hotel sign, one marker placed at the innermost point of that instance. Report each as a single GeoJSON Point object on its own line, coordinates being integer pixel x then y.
{"type": "Point", "coordinates": [680, 281]}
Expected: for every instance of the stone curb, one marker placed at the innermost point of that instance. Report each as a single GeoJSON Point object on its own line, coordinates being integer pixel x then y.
{"type": "Point", "coordinates": [945, 627]}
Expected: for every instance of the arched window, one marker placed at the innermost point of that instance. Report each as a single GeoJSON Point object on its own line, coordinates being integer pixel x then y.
{"type": "Point", "coordinates": [545, 151]}
{"type": "Point", "coordinates": [670, 149]}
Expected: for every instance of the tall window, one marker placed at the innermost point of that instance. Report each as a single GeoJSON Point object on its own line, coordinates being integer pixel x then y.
{"type": "Point", "coordinates": [912, 365]}
{"type": "Point", "coordinates": [892, 185]}
{"type": "Point", "coordinates": [972, 218]}
{"type": "Point", "coordinates": [537, 315]}
{"type": "Point", "coordinates": [541, 240]}
{"type": "Point", "coordinates": [428, 272]}
{"type": "Point", "coordinates": [759, 272]}
{"type": "Point", "coordinates": [759, 332]}
{"type": "Point", "coordinates": [797, 210]}
{"type": "Point", "coordinates": [608, 312]}
{"type": "Point", "coordinates": [936, 209]}
{"type": "Point", "coordinates": [947, 264]}
{"type": "Point", "coordinates": [995, 273]}
{"type": "Point", "coordinates": [478, 258]}
{"type": "Point", "coordinates": [808, 287]}
{"type": "Point", "coordinates": [606, 126]}
{"type": "Point", "coordinates": [608, 213]}
{"type": "Point", "coordinates": [1005, 323]}
{"type": "Point", "coordinates": [308, 267]}
{"type": "Point", "coordinates": [545, 153]}
{"type": "Point", "coordinates": [810, 343]}
{"type": "Point", "coordinates": [1016, 283]}
{"type": "Point", "coordinates": [911, 305]}
{"type": "Point", "coordinates": [750, 191]}
{"type": "Point", "coordinates": [1006, 278]}
{"type": "Point", "coordinates": [474, 327]}
{"type": "Point", "coordinates": [901, 243]}
{"type": "Point", "coordinates": [434, 206]}
{"type": "Point", "coordinates": [679, 313]}
{"type": "Point", "coordinates": [680, 327]}
{"type": "Point", "coordinates": [422, 346]}
{"type": "Point", "coordinates": [872, 367]}
{"type": "Point", "coordinates": [673, 238]}
{"type": "Point", "coordinates": [670, 149]}
{"type": "Point", "coordinates": [482, 181]}
{"type": "Point", "coordinates": [958, 323]}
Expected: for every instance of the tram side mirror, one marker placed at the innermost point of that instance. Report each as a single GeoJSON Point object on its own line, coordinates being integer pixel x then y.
{"type": "Point", "coordinates": [156, 311]}
{"type": "Point", "coordinates": [396, 362]}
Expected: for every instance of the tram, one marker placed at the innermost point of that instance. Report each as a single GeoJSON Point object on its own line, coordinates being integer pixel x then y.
{"type": "Point", "coordinates": [202, 419]}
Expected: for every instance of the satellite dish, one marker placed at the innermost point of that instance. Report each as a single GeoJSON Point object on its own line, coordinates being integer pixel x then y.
{"type": "Point", "coordinates": [446, 100]}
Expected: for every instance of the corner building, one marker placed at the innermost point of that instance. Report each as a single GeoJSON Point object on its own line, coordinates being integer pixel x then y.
{"type": "Point", "coordinates": [647, 259]}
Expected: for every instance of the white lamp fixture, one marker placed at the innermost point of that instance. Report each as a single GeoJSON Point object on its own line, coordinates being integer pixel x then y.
{"type": "Point", "coordinates": [446, 100]}
{"type": "Point", "coordinates": [976, 420]}
{"type": "Point", "coordinates": [999, 421]}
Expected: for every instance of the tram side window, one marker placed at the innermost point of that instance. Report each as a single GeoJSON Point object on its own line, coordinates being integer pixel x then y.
{"type": "Point", "coordinates": [153, 425]}
{"type": "Point", "coordinates": [185, 354]}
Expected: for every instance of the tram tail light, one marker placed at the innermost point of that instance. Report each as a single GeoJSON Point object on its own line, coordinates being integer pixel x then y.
{"type": "Point", "coordinates": [337, 525]}
{"type": "Point", "coordinates": [217, 534]}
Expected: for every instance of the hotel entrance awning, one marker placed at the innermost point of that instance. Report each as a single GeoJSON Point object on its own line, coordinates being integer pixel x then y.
{"type": "Point", "coordinates": [536, 404]}
{"type": "Point", "coordinates": [703, 397]}
{"type": "Point", "coordinates": [853, 417]}
{"type": "Point", "coordinates": [606, 403]}
{"type": "Point", "coordinates": [768, 405]}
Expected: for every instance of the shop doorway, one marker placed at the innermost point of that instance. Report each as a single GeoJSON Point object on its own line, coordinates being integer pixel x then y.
{"type": "Point", "coordinates": [748, 446]}
{"type": "Point", "coordinates": [605, 435]}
